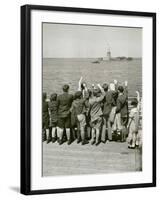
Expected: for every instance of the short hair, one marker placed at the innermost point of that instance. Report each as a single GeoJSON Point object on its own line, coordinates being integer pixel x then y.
{"type": "Point", "coordinates": [105, 87]}
{"type": "Point", "coordinates": [65, 88]}
{"type": "Point", "coordinates": [134, 102]}
{"type": "Point", "coordinates": [44, 96]}
{"type": "Point", "coordinates": [120, 88]}
{"type": "Point", "coordinates": [53, 97]}
{"type": "Point", "coordinates": [78, 94]}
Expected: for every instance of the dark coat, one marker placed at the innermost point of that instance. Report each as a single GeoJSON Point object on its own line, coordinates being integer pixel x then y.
{"type": "Point", "coordinates": [122, 104]}
{"type": "Point", "coordinates": [109, 102]}
{"type": "Point", "coordinates": [64, 102]}
{"type": "Point", "coordinates": [53, 108]}
{"type": "Point", "coordinates": [45, 114]}
{"type": "Point", "coordinates": [79, 106]}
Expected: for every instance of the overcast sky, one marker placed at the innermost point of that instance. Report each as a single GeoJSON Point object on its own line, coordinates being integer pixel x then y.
{"type": "Point", "coordinates": [67, 41]}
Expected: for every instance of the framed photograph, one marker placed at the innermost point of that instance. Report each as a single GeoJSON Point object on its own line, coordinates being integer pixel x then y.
{"type": "Point", "coordinates": [88, 99]}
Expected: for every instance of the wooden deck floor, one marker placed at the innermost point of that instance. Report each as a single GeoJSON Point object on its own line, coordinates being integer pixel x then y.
{"type": "Point", "coordinates": [75, 159]}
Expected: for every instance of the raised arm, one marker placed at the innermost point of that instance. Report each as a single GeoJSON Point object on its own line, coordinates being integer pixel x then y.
{"type": "Point", "coordinates": [79, 83]}
{"type": "Point", "coordinates": [138, 99]}
{"type": "Point", "coordinates": [126, 88]}
{"type": "Point", "coordinates": [116, 85]}
{"type": "Point", "coordinates": [101, 88]}
{"type": "Point", "coordinates": [85, 90]}
{"type": "Point", "coordinates": [102, 95]}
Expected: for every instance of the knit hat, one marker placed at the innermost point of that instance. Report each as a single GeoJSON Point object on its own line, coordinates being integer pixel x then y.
{"type": "Point", "coordinates": [53, 97]}
{"type": "Point", "coordinates": [65, 88]}
{"type": "Point", "coordinates": [78, 94]}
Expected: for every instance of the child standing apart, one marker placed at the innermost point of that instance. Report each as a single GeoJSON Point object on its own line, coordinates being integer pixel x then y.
{"type": "Point", "coordinates": [45, 118]}
{"type": "Point", "coordinates": [53, 107]}
{"type": "Point", "coordinates": [133, 138]}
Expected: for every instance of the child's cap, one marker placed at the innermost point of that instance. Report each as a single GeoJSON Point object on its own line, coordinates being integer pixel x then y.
{"type": "Point", "coordinates": [65, 88]}
{"type": "Point", "coordinates": [120, 88]}
{"type": "Point", "coordinates": [44, 95]}
{"type": "Point", "coordinates": [105, 87]}
{"type": "Point", "coordinates": [53, 97]}
{"type": "Point", "coordinates": [78, 94]}
{"type": "Point", "coordinates": [134, 102]}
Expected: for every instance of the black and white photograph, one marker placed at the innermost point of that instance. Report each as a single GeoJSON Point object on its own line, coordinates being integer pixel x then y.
{"type": "Point", "coordinates": [88, 99]}
{"type": "Point", "coordinates": [80, 100]}
{"type": "Point", "coordinates": [92, 99]}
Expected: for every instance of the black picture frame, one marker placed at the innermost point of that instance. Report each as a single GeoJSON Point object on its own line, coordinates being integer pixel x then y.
{"type": "Point", "coordinates": [26, 98]}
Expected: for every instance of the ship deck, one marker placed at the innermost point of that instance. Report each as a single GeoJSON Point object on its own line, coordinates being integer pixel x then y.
{"type": "Point", "coordinates": [76, 159]}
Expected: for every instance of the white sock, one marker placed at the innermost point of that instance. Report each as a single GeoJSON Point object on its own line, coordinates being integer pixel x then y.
{"type": "Point", "coordinates": [47, 133]}
{"type": "Point", "coordinates": [53, 132]}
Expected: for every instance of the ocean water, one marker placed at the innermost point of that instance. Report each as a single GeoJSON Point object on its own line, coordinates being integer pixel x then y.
{"type": "Point", "coordinates": [60, 71]}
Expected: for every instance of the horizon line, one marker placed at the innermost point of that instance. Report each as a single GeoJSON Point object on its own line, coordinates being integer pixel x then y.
{"type": "Point", "coordinates": [90, 57]}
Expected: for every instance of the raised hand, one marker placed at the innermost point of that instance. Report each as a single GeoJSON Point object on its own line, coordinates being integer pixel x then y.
{"type": "Point", "coordinates": [115, 82]}
{"type": "Point", "coordinates": [93, 86]}
{"type": "Point", "coordinates": [80, 80]}
{"type": "Point", "coordinates": [138, 95]}
{"type": "Point", "coordinates": [126, 83]}
{"type": "Point", "coordinates": [99, 85]}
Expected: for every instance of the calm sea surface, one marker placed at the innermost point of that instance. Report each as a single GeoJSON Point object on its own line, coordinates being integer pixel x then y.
{"type": "Point", "coordinates": [58, 71]}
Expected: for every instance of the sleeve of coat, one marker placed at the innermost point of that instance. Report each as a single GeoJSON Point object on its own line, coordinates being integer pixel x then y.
{"type": "Point", "coordinates": [118, 106]}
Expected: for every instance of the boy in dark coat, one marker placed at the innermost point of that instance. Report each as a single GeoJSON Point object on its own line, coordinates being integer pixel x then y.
{"type": "Point", "coordinates": [122, 109]}
{"type": "Point", "coordinates": [108, 109]}
{"type": "Point", "coordinates": [45, 117]}
{"type": "Point", "coordinates": [53, 107]}
{"type": "Point", "coordinates": [64, 118]}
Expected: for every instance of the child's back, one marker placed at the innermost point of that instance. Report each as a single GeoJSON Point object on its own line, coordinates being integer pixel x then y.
{"type": "Point", "coordinates": [53, 108]}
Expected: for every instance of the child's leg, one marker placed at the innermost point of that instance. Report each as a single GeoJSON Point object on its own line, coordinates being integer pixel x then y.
{"type": "Point", "coordinates": [103, 136]}
{"type": "Point", "coordinates": [109, 130]}
{"type": "Point", "coordinates": [97, 135]}
{"type": "Point", "coordinates": [43, 135]}
{"type": "Point", "coordinates": [93, 136]}
{"type": "Point", "coordinates": [53, 134]}
{"type": "Point", "coordinates": [83, 136]}
{"type": "Point", "coordinates": [137, 139]}
{"type": "Point", "coordinates": [60, 134]}
{"type": "Point", "coordinates": [133, 139]}
{"type": "Point", "coordinates": [129, 139]}
{"type": "Point", "coordinates": [68, 133]}
{"type": "Point", "coordinates": [88, 132]}
{"type": "Point", "coordinates": [82, 133]}
{"type": "Point", "coordinates": [47, 135]}
{"type": "Point", "coordinates": [74, 133]}
{"type": "Point", "coordinates": [78, 132]}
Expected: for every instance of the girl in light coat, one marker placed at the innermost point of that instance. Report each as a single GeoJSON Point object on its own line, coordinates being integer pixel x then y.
{"type": "Point", "coordinates": [133, 124]}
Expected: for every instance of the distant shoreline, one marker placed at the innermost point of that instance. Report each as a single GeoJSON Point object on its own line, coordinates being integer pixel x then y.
{"type": "Point", "coordinates": [134, 58]}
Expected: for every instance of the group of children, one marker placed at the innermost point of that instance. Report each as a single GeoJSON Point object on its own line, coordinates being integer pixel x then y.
{"type": "Point", "coordinates": [92, 115]}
